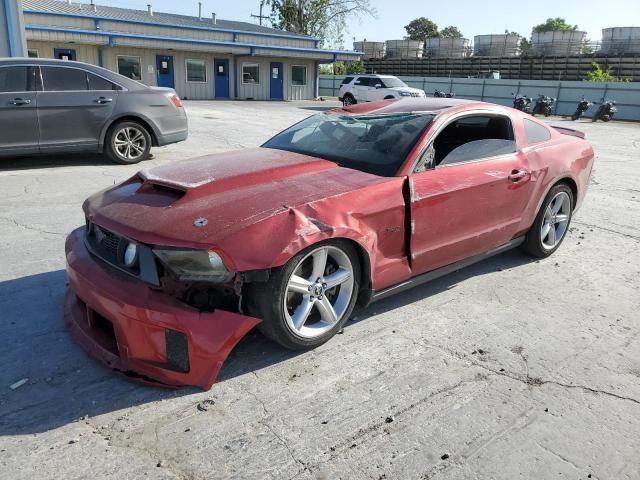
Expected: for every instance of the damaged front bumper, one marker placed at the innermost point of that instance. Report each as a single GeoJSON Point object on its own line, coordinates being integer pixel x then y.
{"type": "Point", "coordinates": [142, 332]}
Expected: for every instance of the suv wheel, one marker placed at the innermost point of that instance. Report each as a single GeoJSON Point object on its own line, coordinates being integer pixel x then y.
{"type": "Point", "coordinates": [348, 99]}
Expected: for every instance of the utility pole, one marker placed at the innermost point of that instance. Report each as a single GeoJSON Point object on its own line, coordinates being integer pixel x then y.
{"type": "Point", "coordinates": [260, 16]}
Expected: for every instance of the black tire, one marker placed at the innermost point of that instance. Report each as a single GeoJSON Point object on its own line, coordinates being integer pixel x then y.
{"type": "Point", "coordinates": [141, 146]}
{"type": "Point", "coordinates": [533, 242]}
{"type": "Point", "coordinates": [606, 118]}
{"type": "Point", "coordinates": [389, 97]}
{"type": "Point", "coordinates": [349, 100]}
{"type": "Point", "coordinates": [267, 300]}
{"type": "Point", "coordinates": [574, 117]}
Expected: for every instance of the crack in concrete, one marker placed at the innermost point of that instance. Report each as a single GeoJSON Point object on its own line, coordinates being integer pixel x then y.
{"type": "Point", "coordinates": [281, 440]}
{"type": "Point", "coordinates": [536, 381]}
{"type": "Point", "coordinates": [557, 455]}
{"type": "Point", "coordinates": [27, 227]}
{"type": "Point", "coordinates": [610, 230]}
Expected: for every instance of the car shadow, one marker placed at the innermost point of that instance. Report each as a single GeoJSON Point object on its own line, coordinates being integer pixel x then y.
{"type": "Point", "coordinates": [53, 161]}
{"type": "Point", "coordinates": [64, 384]}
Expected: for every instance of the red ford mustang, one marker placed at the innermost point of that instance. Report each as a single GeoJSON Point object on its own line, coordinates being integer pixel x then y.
{"type": "Point", "coordinates": [175, 265]}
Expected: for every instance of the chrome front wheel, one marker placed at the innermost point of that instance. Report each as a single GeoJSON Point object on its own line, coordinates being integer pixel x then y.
{"type": "Point", "coordinates": [308, 300]}
{"type": "Point", "coordinates": [319, 292]}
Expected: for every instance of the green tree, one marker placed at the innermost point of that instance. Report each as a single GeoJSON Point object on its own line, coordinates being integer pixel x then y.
{"type": "Point", "coordinates": [557, 24]}
{"type": "Point", "coordinates": [599, 75]}
{"type": "Point", "coordinates": [451, 32]}
{"type": "Point", "coordinates": [356, 67]}
{"type": "Point", "coordinates": [325, 19]}
{"type": "Point", "coordinates": [421, 29]}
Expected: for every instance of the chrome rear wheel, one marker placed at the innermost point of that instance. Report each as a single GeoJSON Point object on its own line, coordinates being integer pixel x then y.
{"type": "Point", "coordinates": [556, 220]}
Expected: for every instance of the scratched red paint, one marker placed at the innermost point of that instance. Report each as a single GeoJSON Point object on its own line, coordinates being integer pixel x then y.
{"type": "Point", "coordinates": [264, 205]}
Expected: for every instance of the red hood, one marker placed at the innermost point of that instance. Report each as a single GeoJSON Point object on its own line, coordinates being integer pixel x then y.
{"type": "Point", "coordinates": [230, 190]}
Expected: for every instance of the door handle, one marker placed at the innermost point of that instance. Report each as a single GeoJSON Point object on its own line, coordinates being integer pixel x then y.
{"type": "Point", "coordinates": [103, 100]}
{"type": "Point", "coordinates": [20, 101]}
{"type": "Point", "coordinates": [517, 175]}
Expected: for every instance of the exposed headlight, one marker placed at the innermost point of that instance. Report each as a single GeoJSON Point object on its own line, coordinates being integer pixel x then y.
{"type": "Point", "coordinates": [194, 265]}
{"type": "Point", "coordinates": [130, 255]}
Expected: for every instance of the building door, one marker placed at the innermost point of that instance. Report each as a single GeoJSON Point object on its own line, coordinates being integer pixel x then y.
{"type": "Point", "coordinates": [276, 87]}
{"type": "Point", "coordinates": [164, 67]}
{"type": "Point", "coordinates": [64, 54]}
{"type": "Point", "coordinates": [221, 74]}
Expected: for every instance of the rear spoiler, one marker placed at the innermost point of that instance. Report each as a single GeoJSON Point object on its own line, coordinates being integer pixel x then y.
{"type": "Point", "coordinates": [569, 131]}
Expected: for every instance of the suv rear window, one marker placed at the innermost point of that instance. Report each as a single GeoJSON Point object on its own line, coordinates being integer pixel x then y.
{"type": "Point", "coordinates": [347, 80]}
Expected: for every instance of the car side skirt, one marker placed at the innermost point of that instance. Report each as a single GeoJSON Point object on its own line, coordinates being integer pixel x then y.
{"type": "Point", "coordinates": [442, 271]}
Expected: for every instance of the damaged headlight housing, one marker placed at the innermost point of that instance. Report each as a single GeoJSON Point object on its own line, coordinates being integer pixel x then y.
{"type": "Point", "coordinates": [194, 265]}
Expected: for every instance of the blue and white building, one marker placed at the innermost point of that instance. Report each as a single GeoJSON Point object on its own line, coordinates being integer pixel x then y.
{"type": "Point", "coordinates": [201, 57]}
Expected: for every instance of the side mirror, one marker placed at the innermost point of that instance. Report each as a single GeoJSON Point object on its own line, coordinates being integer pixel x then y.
{"type": "Point", "coordinates": [378, 85]}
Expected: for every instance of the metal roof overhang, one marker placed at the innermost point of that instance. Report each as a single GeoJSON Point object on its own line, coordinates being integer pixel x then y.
{"type": "Point", "coordinates": [240, 48]}
{"type": "Point", "coordinates": [170, 25]}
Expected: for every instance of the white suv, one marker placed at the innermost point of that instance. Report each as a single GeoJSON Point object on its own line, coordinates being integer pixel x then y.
{"type": "Point", "coordinates": [369, 88]}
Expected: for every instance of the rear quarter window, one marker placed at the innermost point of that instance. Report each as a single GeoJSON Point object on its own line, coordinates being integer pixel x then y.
{"type": "Point", "coordinates": [535, 132]}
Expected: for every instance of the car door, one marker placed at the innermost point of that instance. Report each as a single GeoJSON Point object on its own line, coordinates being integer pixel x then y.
{"type": "Point", "coordinates": [361, 89]}
{"type": "Point", "coordinates": [376, 90]}
{"type": "Point", "coordinates": [73, 108]}
{"type": "Point", "coordinates": [468, 192]}
{"type": "Point", "coordinates": [18, 110]}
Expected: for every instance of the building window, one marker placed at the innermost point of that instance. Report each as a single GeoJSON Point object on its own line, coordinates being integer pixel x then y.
{"type": "Point", "coordinates": [129, 66]}
{"type": "Point", "coordinates": [196, 71]}
{"type": "Point", "coordinates": [250, 73]}
{"type": "Point", "coordinates": [298, 75]}
{"type": "Point", "coordinates": [33, 53]}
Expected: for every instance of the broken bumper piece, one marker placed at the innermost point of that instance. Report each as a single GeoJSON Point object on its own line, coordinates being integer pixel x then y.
{"type": "Point", "coordinates": [143, 333]}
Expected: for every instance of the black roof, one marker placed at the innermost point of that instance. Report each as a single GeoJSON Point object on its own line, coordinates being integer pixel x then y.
{"type": "Point", "coordinates": [106, 12]}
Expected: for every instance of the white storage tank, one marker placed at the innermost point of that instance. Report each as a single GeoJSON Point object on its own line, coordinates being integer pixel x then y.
{"type": "Point", "coordinates": [370, 49]}
{"type": "Point", "coordinates": [404, 48]}
{"type": "Point", "coordinates": [619, 40]}
{"type": "Point", "coordinates": [557, 43]}
{"type": "Point", "coordinates": [502, 45]}
{"type": "Point", "coordinates": [447, 47]}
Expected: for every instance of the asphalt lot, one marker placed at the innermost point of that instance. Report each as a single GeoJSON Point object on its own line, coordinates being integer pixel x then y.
{"type": "Point", "coordinates": [512, 368]}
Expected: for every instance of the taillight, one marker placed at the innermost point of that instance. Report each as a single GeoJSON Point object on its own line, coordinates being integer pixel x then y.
{"type": "Point", "coordinates": [175, 99]}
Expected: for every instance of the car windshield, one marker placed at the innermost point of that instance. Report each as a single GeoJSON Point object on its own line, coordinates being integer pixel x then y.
{"type": "Point", "coordinates": [376, 144]}
{"type": "Point", "coordinates": [393, 82]}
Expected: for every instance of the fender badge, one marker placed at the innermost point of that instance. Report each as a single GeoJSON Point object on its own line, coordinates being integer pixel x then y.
{"type": "Point", "coordinates": [200, 222]}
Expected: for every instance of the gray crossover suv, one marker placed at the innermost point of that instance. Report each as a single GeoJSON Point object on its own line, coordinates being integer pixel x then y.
{"type": "Point", "coordinates": [50, 106]}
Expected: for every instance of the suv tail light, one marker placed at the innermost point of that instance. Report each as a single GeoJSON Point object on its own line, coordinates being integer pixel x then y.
{"type": "Point", "coordinates": [175, 99]}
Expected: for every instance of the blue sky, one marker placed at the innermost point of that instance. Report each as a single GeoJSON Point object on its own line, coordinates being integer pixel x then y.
{"type": "Point", "coordinates": [472, 17]}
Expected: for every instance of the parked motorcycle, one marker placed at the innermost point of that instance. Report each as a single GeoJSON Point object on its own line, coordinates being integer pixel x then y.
{"type": "Point", "coordinates": [582, 107]}
{"type": "Point", "coordinates": [442, 94]}
{"type": "Point", "coordinates": [605, 111]}
{"type": "Point", "coordinates": [544, 105]}
{"type": "Point", "coordinates": [522, 103]}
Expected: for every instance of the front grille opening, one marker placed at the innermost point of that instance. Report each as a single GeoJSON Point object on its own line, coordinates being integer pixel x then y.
{"type": "Point", "coordinates": [104, 333]}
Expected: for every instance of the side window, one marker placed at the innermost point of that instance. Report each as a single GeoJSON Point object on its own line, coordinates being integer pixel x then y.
{"type": "Point", "coordinates": [363, 81]}
{"type": "Point", "coordinates": [60, 79]}
{"type": "Point", "coordinates": [347, 80]}
{"type": "Point", "coordinates": [14, 79]}
{"type": "Point", "coordinates": [99, 83]}
{"type": "Point", "coordinates": [535, 132]}
{"type": "Point", "coordinates": [469, 138]}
